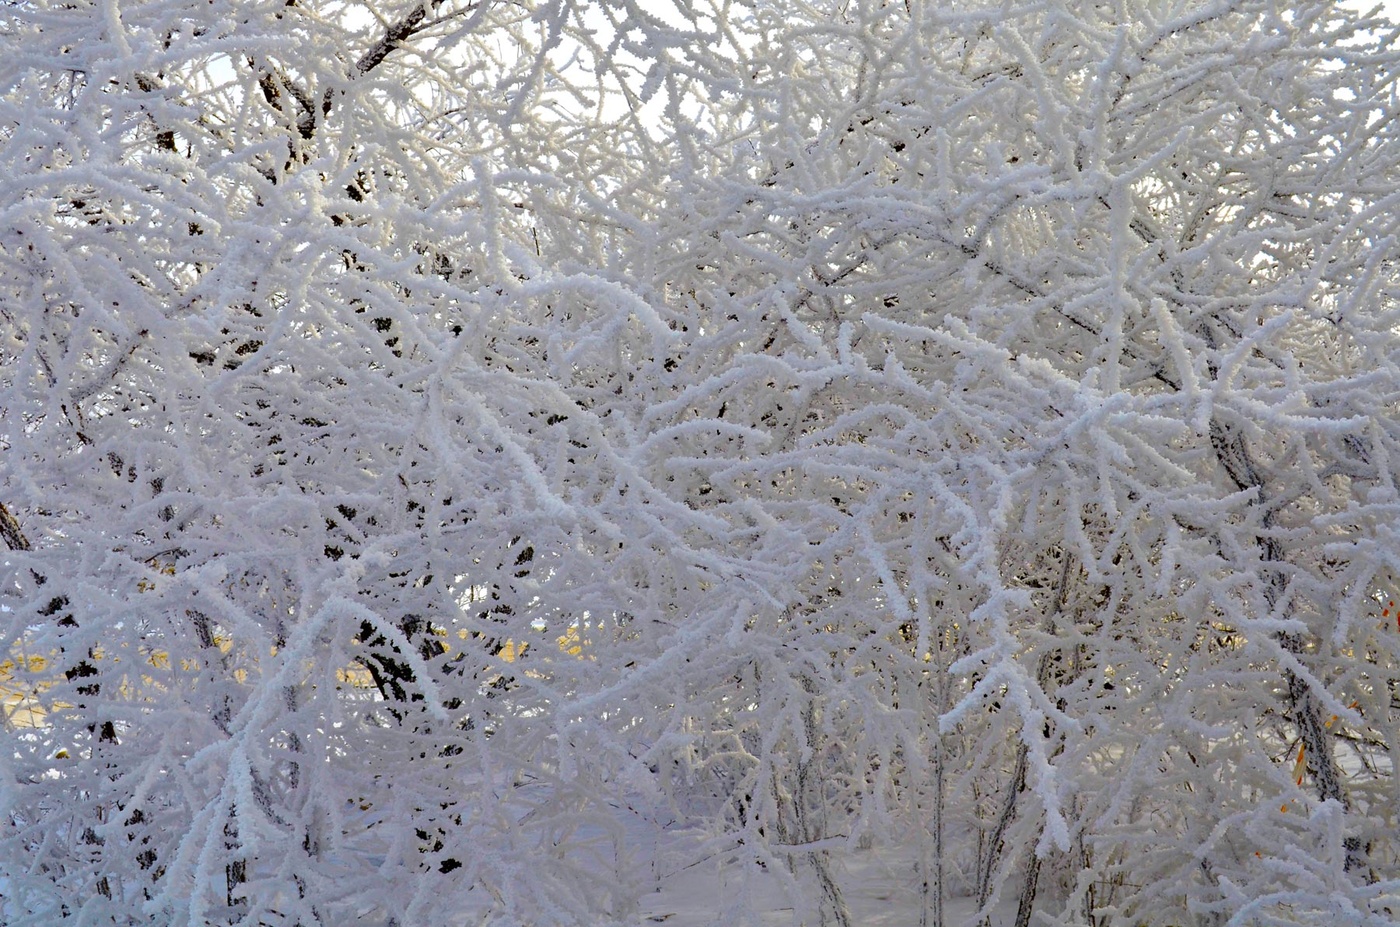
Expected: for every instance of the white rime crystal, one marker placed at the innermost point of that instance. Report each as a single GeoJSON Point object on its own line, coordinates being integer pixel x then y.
{"type": "Point", "coordinates": [602, 463]}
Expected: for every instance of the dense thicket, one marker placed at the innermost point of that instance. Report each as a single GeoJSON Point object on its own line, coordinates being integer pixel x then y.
{"type": "Point", "coordinates": [450, 449]}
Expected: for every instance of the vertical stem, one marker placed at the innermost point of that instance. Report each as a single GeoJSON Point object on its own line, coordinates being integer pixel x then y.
{"type": "Point", "coordinates": [805, 805]}
{"type": "Point", "coordinates": [1017, 784]}
{"type": "Point", "coordinates": [938, 800]}
{"type": "Point", "coordinates": [1028, 889]}
{"type": "Point", "coordinates": [998, 835]}
{"type": "Point", "coordinates": [1233, 454]}
{"type": "Point", "coordinates": [1086, 871]}
{"type": "Point", "coordinates": [940, 759]}
{"type": "Point", "coordinates": [236, 870]}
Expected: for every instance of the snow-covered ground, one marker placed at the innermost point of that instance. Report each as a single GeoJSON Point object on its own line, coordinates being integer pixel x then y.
{"type": "Point", "coordinates": [881, 888]}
